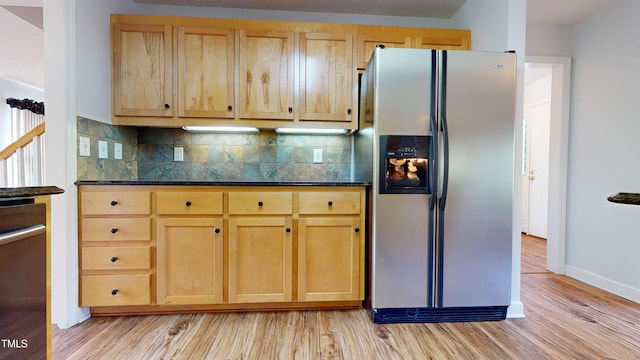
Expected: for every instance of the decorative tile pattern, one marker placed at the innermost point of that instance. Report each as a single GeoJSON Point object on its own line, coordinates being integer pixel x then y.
{"type": "Point", "coordinates": [267, 156]}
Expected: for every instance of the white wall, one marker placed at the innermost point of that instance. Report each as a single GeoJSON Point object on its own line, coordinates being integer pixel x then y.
{"type": "Point", "coordinates": [12, 89]}
{"type": "Point", "coordinates": [603, 239]}
{"type": "Point", "coordinates": [548, 40]}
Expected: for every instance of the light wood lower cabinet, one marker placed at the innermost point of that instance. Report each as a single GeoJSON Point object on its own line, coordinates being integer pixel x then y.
{"type": "Point", "coordinates": [260, 260]}
{"type": "Point", "coordinates": [329, 259]}
{"type": "Point", "coordinates": [199, 248]}
{"type": "Point", "coordinates": [190, 261]}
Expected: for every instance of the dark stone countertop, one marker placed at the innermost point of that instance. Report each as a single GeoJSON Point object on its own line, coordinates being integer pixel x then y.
{"type": "Point", "coordinates": [27, 192]}
{"type": "Point", "coordinates": [222, 183]}
{"type": "Point", "coordinates": [625, 198]}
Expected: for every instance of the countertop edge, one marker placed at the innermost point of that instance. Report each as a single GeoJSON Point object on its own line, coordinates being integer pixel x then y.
{"type": "Point", "coordinates": [625, 198]}
{"type": "Point", "coordinates": [221, 183]}
{"type": "Point", "coordinates": [29, 191]}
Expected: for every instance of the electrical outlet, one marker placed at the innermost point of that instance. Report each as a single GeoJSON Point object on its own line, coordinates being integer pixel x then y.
{"type": "Point", "coordinates": [117, 151]}
{"type": "Point", "coordinates": [103, 149]}
{"type": "Point", "coordinates": [317, 156]}
{"type": "Point", "coordinates": [178, 153]}
{"type": "Point", "coordinates": [85, 146]}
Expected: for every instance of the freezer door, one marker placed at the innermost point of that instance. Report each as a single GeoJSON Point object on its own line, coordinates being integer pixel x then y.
{"type": "Point", "coordinates": [479, 116]}
{"type": "Point", "coordinates": [402, 105]}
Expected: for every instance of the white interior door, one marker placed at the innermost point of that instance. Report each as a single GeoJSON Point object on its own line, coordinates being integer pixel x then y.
{"type": "Point", "coordinates": [539, 169]}
{"type": "Point", "coordinates": [537, 111]}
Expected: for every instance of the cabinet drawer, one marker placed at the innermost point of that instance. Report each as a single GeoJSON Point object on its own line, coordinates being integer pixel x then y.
{"type": "Point", "coordinates": [116, 229]}
{"type": "Point", "coordinates": [116, 290]}
{"type": "Point", "coordinates": [116, 258]}
{"type": "Point", "coordinates": [256, 203]}
{"type": "Point", "coordinates": [116, 203]}
{"type": "Point", "coordinates": [329, 203]}
{"type": "Point", "coordinates": [189, 203]}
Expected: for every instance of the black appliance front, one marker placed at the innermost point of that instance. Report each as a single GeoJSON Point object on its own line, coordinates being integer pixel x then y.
{"type": "Point", "coordinates": [404, 164]}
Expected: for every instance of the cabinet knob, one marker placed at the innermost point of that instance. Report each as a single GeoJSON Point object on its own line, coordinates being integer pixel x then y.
{"type": "Point", "coordinates": [114, 259]}
{"type": "Point", "coordinates": [260, 203]}
{"type": "Point", "coordinates": [188, 203]}
{"type": "Point", "coordinates": [114, 291]}
{"type": "Point", "coordinates": [217, 231]}
{"type": "Point", "coordinates": [330, 203]}
{"type": "Point", "coordinates": [229, 107]}
{"type": "Point", "coordinates": [166, 106]}
{"type": "Point", "coordinates": [114, 203]}
{"type": "Point", "coordinates": [290, 108]}
{"type": "Point", "coordinates": [288, 230]}
{"type": "Point", "coordinates": [114, 230]}
{"type": "Point", "coordinates": [349, 111]}
{"type": "Point", "coordinates": [356, 229]}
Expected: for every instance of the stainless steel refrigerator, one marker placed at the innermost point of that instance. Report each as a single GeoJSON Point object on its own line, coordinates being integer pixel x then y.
{"type": "Point", "coordinates": [436, 140]}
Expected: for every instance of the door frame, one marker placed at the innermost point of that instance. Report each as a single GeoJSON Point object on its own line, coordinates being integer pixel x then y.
{"type": "Point", "coordinates": [558, 160]}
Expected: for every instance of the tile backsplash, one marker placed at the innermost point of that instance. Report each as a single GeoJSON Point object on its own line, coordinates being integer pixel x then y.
{"type": "Point", "coordinates": [148, 154]}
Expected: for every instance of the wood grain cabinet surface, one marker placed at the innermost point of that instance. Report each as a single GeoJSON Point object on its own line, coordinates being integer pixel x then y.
{"type": "Point", "coordinates": [142, 65]}
{"type": "Point", "coordinates": [172, 71]}
{"type": "Point", "coordinates": [115, 247]}
{"type": "Point", "coordinates": [217, 248]}
{"type": "Point", "coordinates": [206, 72]}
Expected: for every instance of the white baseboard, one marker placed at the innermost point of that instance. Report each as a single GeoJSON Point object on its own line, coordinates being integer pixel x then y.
{"type": "Point", "coordinates": [515, 310]}
{"type": "Point", "coordinates": [612, 286]}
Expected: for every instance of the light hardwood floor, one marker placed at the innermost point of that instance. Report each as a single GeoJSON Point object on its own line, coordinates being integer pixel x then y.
{"type": "Point", "coordinates": [565, 319]}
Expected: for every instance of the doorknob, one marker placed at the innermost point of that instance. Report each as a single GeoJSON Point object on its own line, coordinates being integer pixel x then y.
{"type": "Point", "coordinates": [532, 177]}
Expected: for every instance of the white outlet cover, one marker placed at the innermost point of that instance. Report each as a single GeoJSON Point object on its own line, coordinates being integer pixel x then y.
{"type": "Point", "coordinates": [117, 151]}
{"type": "Point", "coordinates": [178, 153]}
{"type": "Point", "coordinates": [317, 156]}
{"type": "Point", "coordinates": [103, 149]}
{"type": "Point", "coordinates": [85, 146]}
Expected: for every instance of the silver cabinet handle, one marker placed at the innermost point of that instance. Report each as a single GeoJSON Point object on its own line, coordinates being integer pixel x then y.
{"type": "Point", "coordinates": [22, 234]}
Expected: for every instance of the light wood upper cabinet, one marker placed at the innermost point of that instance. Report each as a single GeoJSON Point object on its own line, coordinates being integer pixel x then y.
{"type": "Point", "coordinates": [142, 67]}
{"type": "Point", "coordinates": [326, 77]}
{"type": "Point", "coordinates": [367, 43]}
{"type": "Point", "coordinates": [404, 37]}
{"type": "Point", "coordinates": [206, 72]}
{"type": "Point", "coordinates": [171, 71]}
{"type": "Point", "coordinates": [266, 74]}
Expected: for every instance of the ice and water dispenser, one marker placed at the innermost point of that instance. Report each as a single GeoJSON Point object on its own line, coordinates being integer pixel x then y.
{"type": "Point", "coordinates": [404, 164]}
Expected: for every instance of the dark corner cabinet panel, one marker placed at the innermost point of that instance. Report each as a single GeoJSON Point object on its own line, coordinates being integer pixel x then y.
{"type": "Point", "coordinates": [23, 269]}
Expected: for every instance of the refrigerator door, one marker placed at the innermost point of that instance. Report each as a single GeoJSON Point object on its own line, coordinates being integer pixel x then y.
{"type": "Point", "coordinates": [478, 113]}
{"type": "Point", "coordinates": [402, 105]}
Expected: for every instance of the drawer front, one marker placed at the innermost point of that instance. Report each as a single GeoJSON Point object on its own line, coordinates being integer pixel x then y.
{"type": "Point", "coordinates": [189, 203]}
{"type": "Point", "coordinates": [116, 290]}
{"type": "Point", "coordinates": [329, 203]}
{"type": "Point", "coordinates": [116, 258]}
{"type": "Point", "coordinates": [256, 203]}
{"type": "Point", "coordinates": [116, 229]}
{"type": "Point", "coordinates": [116, 203]}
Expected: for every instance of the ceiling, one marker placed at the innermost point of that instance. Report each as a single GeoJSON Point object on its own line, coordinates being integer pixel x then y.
{"type": "Point", "coordinates": [22, 27]}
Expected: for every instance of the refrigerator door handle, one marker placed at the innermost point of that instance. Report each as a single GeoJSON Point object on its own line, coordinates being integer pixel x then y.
{"type": "Point", "coordinates": [445, 165]}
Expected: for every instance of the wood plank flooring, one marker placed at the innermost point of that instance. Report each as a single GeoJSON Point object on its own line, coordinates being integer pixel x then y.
{"type": "Point", "coordinates": [565, 319]}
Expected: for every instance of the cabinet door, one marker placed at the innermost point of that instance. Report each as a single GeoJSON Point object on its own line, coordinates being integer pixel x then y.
{"type": "Point", "coordinates": [442, 39]}
{"type": "Point", "coordinates": [266, 74]}
{"type": "Point", "coordinates": [326, 77]}
{"type": "Point", "coordinates": [260, 260]}
{"type": "Point", "coordinates": [142, 63]}
{"type": "Point", "coordinates": [329, 259]}
{"type": "Point", "coordinates": [368, 42]}
{"type": "Point", "coordinates": [190, 260]}
{"type": "Point", "coordinates": [205, 72]}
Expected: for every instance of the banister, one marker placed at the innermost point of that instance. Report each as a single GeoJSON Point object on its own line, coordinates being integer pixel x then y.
{"type": "Point", "coordinates": [22, 141]}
